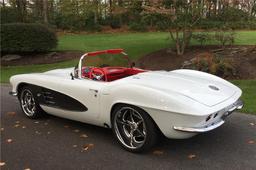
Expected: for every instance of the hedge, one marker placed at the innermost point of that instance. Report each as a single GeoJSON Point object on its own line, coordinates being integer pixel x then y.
{"type": "Point", "coordinates": [22, 38]}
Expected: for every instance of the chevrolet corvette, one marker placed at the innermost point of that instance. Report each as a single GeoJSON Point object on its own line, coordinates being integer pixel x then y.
{"type": "Point", "coordinates": [138, 105]}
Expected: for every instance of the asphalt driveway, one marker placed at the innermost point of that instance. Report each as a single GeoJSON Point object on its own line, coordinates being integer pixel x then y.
{"type": "Point", "coordinates": [56, 143]}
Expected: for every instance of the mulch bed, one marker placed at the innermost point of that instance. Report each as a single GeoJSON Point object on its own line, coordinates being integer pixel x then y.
{"type": "Point", "coordinates": [42, 58]}
{"type": "Point", "coordinates": [244, 58]}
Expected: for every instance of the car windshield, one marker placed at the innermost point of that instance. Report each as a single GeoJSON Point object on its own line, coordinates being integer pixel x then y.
{"type": "Point", "coordinates": [106, 60]}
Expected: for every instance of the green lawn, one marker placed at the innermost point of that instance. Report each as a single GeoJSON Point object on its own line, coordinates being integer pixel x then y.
{"type": "Point", "coordinates": [136, 45]}
{"type": "Point", "coordinates": [249, 94]}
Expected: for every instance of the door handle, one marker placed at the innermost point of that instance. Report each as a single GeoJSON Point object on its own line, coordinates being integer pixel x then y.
{"type": "Point", "coordinates": [94, 90]}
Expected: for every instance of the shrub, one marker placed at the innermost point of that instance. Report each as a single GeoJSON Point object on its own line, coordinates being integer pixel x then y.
{"type": "Point", "coordinates": [213, 64]}
{"type": "Point", "coordinates": [208, 24]}
{"type": "Point", "coordinates": [9, 15]}
{"type": "Point", "coordinates": [134, 26]}
{"type": "Point", "coordinates": [201, 37]}
{"type": "Point", "coordinates": [115, 22]}
{"type": "Point", "coordinates": [20, 38]}
{"type": "Point", "coordinates": [225, 37]}
{"type": "Point", "coordinates": [162, 26]}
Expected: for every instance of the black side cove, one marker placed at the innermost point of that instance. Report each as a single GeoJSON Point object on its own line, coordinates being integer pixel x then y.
{"type": "Point", "coordinates": [56, 99]}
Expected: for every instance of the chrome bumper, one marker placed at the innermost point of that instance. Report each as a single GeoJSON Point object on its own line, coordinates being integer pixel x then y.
{"type": "Point", "coordinates": [13, 93]}
{"type": "Point", "coordinates": [236, 106]}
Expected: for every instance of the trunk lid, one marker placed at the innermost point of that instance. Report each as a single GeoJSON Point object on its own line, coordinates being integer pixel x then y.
{"type": "Point", "coordinates": [204, 90]}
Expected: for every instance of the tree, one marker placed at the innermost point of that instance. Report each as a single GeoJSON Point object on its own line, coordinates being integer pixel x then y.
{"type": "Point", "coordinates": [183, 15]}
{"type": "Point", "coordinates": [45, 11]}
{"type": "Point", "coordinates": [21, 6]}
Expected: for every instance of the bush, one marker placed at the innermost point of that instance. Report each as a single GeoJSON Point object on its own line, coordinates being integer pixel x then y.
{"type": "Point", "coordinates": [9, 15]}
{"type": "Point", "coordinates": [115, 22]}
{"type": "Point", "coordinates": [213, 64]}
{"type": "Point", "coordinates": [162, 26]}
{"type": "Point", "coordinates": [201, 37]}
{"type": "Point", "coordinates": [225, 37]}
{"type": "Point", "coordinates": [20, 38]}
{"type": "Point", "coordinates": [209, 24]}
{"type": "Point", "coordinates": [137, 26]}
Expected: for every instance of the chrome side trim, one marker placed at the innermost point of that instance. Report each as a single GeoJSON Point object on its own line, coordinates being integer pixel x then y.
{"type": "Point", "coordinates": [199, 129]}
{"type": "Point", "coordinates": [13, 93]}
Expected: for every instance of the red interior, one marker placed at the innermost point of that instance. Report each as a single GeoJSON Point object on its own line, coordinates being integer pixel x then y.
{"type": "Point", "coordinates": [111, 73]}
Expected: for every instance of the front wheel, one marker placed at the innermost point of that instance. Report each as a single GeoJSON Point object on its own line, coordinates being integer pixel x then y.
{"type": "Point", "coordinates": [28, 104]}
{"type": "Point", "coordinates": [133, 128]}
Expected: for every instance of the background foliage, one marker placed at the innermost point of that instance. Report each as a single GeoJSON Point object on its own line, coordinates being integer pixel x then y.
{"type": "Point", "coordinates": [91, 15]}
{"type": "Point", "coordinates": [21, 37]}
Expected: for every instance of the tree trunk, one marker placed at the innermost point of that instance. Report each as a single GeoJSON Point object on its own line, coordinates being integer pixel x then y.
{"type": "Point", "coordinates": [3, 4]}
{"type": "Point", "coordinates": [45, 11]}
{"type": "Point", "coordinates": [110, 8]}
{"type": "Point", "coordinates": [96, 4]}
{"type": "Point", "coordinates": [19, 10]}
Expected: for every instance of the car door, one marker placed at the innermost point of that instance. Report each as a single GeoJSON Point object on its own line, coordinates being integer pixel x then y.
{"type": "Point", "coordinates": [88, 93]}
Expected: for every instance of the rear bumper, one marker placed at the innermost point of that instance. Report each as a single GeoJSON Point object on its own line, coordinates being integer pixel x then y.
{"type": "Point", "coordinates": [236, 106]}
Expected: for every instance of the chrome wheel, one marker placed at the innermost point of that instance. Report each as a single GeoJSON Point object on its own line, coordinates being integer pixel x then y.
{"type": "Point", "coordinates": [130, 127]}
{"type": "Point", "coordinates": [28, 102]}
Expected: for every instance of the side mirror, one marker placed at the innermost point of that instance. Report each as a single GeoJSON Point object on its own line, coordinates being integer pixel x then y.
{"type": "Point", "coordinates": [72, 76]}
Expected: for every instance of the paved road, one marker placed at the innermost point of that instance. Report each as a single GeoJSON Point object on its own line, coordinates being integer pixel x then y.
{"type": "Point", "coordinates": [55, 143]}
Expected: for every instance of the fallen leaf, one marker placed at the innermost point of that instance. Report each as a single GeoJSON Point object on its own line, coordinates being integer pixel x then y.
{"type": "Point", "coordinates": [38, 132]}
{"type": "Point", "coordinates": [76, 130]}
{"type": "Point", "coordinates": [2, 163]}
{"type": "Point", "coordinates": [74, 146]}
{"type": "Point", "coordinates": [11, 113]}
{"type": "Point", "coordinates": [83, 136]}
{"type": "Point", "coordinates": [9, 140]}
{"type": "Point", "coordinates": [191, 156]}
{"type": "Point", "coordinates": [36, 122]}
{"type": "Point", "coordinates": [46, 123]}
{"type": "Point", "coordinates": [2, 129]}
{"type": "Point", "coordinates": [87, 146]}
{"type": "Point", "coordinates": [23, 127]}
{"type": "Point", "coordinates": [158, 152]}
{"type": "Point", "coordinates": [17, 122]}
{"type": "Point", "coordinates": [17, 125]}
{"type": "Point", "coordinates": [250, 142]}
{"type": "Point", "coordinates": [252, 124]}
{"type": "Point", "coordinates": [66, 126]}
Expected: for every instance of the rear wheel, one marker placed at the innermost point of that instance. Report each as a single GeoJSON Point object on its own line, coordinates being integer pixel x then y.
{"type": "Point", "coordinates": [28, 104]}
{"type": "Point", "coordinates": [133, 128]}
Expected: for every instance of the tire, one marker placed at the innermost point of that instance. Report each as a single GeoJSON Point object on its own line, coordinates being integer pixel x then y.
{"type": "Point", "coordinates": [29, 104]}
{"type": "Point", "coordinates": [133, 128]}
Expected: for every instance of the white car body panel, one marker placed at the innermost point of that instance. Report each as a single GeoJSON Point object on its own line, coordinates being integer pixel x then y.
{"type": "Point", "coordinates": [175, 98]}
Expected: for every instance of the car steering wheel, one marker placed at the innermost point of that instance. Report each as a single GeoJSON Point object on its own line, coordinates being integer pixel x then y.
{"type": "Point", "coordinates": [97, 74]}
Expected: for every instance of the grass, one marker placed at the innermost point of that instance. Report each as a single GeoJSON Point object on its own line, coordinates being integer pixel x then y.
{"type": "Point", "coordinates": [249, 94]}
{"type": "Point", "coordinates": [136, 45]}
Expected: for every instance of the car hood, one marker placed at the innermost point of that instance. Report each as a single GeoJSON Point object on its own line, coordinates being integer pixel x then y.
{"type": "Point", "coordinates": [207, 89]}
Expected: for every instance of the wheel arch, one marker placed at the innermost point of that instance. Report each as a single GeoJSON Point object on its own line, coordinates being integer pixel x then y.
{"type": "Point", "coordinates": [122, 103]}
{"type": "Point", "coordinates": [20, 86]}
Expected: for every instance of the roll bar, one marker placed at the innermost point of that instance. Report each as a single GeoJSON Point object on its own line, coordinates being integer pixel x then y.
{"type": "Point", "coordinates": [95, 53]}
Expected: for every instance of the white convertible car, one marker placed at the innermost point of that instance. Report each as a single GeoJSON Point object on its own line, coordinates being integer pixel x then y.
{"type": "Point", "coordinates": [137, 104]}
